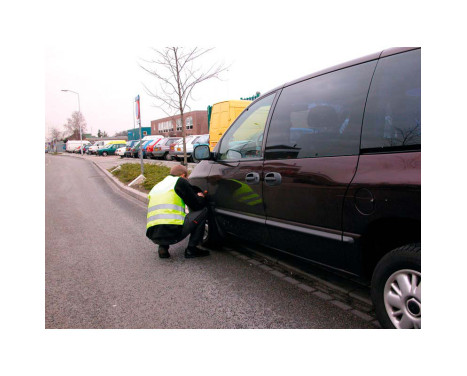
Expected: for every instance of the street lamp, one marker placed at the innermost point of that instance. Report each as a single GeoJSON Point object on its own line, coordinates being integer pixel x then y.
{"type": "Point", "coordinates": [79, 119]}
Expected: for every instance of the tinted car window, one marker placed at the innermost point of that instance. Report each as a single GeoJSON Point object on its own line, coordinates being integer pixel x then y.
{"type": "Point", "coordinates": [393, 112]}
{"type": "Point", "coordinates": [243, 139]}
{"type": "Point", "coordinates": [321, 116]}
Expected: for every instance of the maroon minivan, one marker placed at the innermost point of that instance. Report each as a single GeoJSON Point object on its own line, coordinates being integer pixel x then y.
{"type": "Point", "coordinates": [327, 168]}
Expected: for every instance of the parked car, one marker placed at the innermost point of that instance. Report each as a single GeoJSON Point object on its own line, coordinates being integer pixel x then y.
{"type": "Point", "coordinates": [336, 178]}
{"type": "Point", "coordinates": [121, 151]}
{"type": "Point", "coordinates": [172, 149]}
{"type": "Point", "coordinates": [150, 147]}
{"type": "Point", "coordinates": [152, 137]}
{"type": "Point", "coordinates": [145, 144]}
{"type": "Point", "coordinates": [135, 149]}
{"type": "Point", "coordinates": [94, 147]}
{"type": "Point", "coordinates": [109, 149]}
{"type": "Point", "coordinates": [162, 148]}
{"type": "Point", "coordinates": [86, 148]}
{"type": "Point", "coordinates": [177, 152]}
{"type": "Point", "coordinates": [128, 147]}
{"type": "Point", "coordinates": [78, 149]}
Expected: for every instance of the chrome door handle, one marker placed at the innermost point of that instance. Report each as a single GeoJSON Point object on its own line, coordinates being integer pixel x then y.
{"type": "Point", "coordinates": [273, 178]}
{"type": "Point", "coordinates": [252, 178]}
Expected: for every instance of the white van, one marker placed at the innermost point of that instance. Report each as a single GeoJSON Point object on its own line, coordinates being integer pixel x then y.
{"type": "Point", "coordinates": [152, 137]}
{"type": "Point", "coordinates": [93, 149]}
{"type": "Point", "coordinates": [71, 146]}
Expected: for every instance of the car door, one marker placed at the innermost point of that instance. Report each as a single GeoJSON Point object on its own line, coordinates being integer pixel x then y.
{"type": "Point", "coordinates": [235, 181]}
{"type": "Point", "coordinates": [112, 149]}
{"type": "Point", "coordinates": [311, 156]}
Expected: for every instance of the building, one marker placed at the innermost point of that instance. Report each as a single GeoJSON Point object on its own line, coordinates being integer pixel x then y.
{"type": "Point", "coordinates": [133, 134]}
{"type": "Point", "coordinates": [196, 122]}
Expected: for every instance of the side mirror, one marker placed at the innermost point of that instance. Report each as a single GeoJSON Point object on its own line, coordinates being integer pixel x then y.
{"type": "Point", "coordinates": [202, 152]}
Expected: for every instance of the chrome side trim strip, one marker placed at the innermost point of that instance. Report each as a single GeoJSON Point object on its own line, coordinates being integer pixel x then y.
{"type": "Point", "coordinates": [241, 216]}
{"type": "Point", "coordinates": [309, 231]}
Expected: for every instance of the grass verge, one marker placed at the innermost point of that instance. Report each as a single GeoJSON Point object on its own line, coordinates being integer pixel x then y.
{"type": "Point", "coordinates": [130, 171]}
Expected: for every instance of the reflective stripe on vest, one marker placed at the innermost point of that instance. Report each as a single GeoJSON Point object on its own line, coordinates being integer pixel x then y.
{"type": "Point", "coordinates": [165, 206]}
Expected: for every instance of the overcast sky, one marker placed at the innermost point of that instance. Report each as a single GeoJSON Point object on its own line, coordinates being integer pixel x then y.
{"type": "Point", "coordinates": [108, 79]}
{"type": "Point", "coordinates": [263, 47]}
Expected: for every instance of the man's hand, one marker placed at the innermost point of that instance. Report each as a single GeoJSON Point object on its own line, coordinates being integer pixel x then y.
{"type": "Point", "coordinates": [202, 194]}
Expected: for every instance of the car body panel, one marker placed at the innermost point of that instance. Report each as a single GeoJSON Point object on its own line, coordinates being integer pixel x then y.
{"type": "Point", "coordinates": [320, 184]}
{"type": "Point", "coordinates": [238, 204]}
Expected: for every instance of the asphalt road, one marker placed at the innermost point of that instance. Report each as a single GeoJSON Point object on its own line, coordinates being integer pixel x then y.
{"type": "Point", "coordinates": [102, 272]}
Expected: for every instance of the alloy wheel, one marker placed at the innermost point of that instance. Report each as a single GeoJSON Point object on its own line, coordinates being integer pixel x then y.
{"type": "Point", "coordinates": [403, 299]}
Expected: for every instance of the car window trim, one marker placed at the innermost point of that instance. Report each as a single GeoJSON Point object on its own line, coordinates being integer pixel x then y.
{"type": "Point", "coordinates": [391, 149]}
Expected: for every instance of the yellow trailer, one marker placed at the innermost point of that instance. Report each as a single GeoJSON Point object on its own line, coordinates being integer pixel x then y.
{"type": "Point", "coordinates": [223, 115]}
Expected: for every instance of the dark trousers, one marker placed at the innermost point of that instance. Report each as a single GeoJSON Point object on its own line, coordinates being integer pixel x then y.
{"type": "Point", "coordinates": [194, 224]}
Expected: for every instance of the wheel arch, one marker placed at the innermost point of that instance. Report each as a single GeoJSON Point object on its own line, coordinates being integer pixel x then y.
{"type": "Point", "coordinates": [383, 236]}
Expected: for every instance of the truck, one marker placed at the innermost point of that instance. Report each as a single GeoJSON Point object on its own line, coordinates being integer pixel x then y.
{"type": "Point", "coordinates": [221, 115]}
{"type": "Point", "coordinates": [72, 145]}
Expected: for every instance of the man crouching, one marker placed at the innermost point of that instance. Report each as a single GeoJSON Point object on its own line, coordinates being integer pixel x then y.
{"type": "Point", "coordinates": [167, 222]}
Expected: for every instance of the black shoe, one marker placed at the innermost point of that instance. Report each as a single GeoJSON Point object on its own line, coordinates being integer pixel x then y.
{"type": "Point", "coordinates": [164, 252]}
{"type": "Point", "coordinates": [192, 252]}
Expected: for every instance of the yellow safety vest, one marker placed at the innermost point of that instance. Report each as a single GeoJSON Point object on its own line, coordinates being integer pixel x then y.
{"type": "Point", "coordinates": [165, 206]}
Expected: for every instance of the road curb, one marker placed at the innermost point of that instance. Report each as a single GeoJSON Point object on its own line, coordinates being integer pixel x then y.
{"type": "Point", "coordinates": [132, 192]}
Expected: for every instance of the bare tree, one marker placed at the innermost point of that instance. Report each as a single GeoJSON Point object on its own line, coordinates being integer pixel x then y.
{"type": "Point", "coordinates": [55, 134]}
{"type": "Point", "coordinates": [121, 133]}
{"type": "Point", "coordinates": [72, 125]}
{"type": "Point", "coordinates": [176, 70]}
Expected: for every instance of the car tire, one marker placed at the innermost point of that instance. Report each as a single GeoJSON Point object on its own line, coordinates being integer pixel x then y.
{"type": "Point", "coordinates": [211, 236]}
{"type": "Point", "coordinates": [104, 154]}
{"type": "Point", "coordinates": [396, 288]}
{"type": "Point", "coordinates": [167, 157]}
